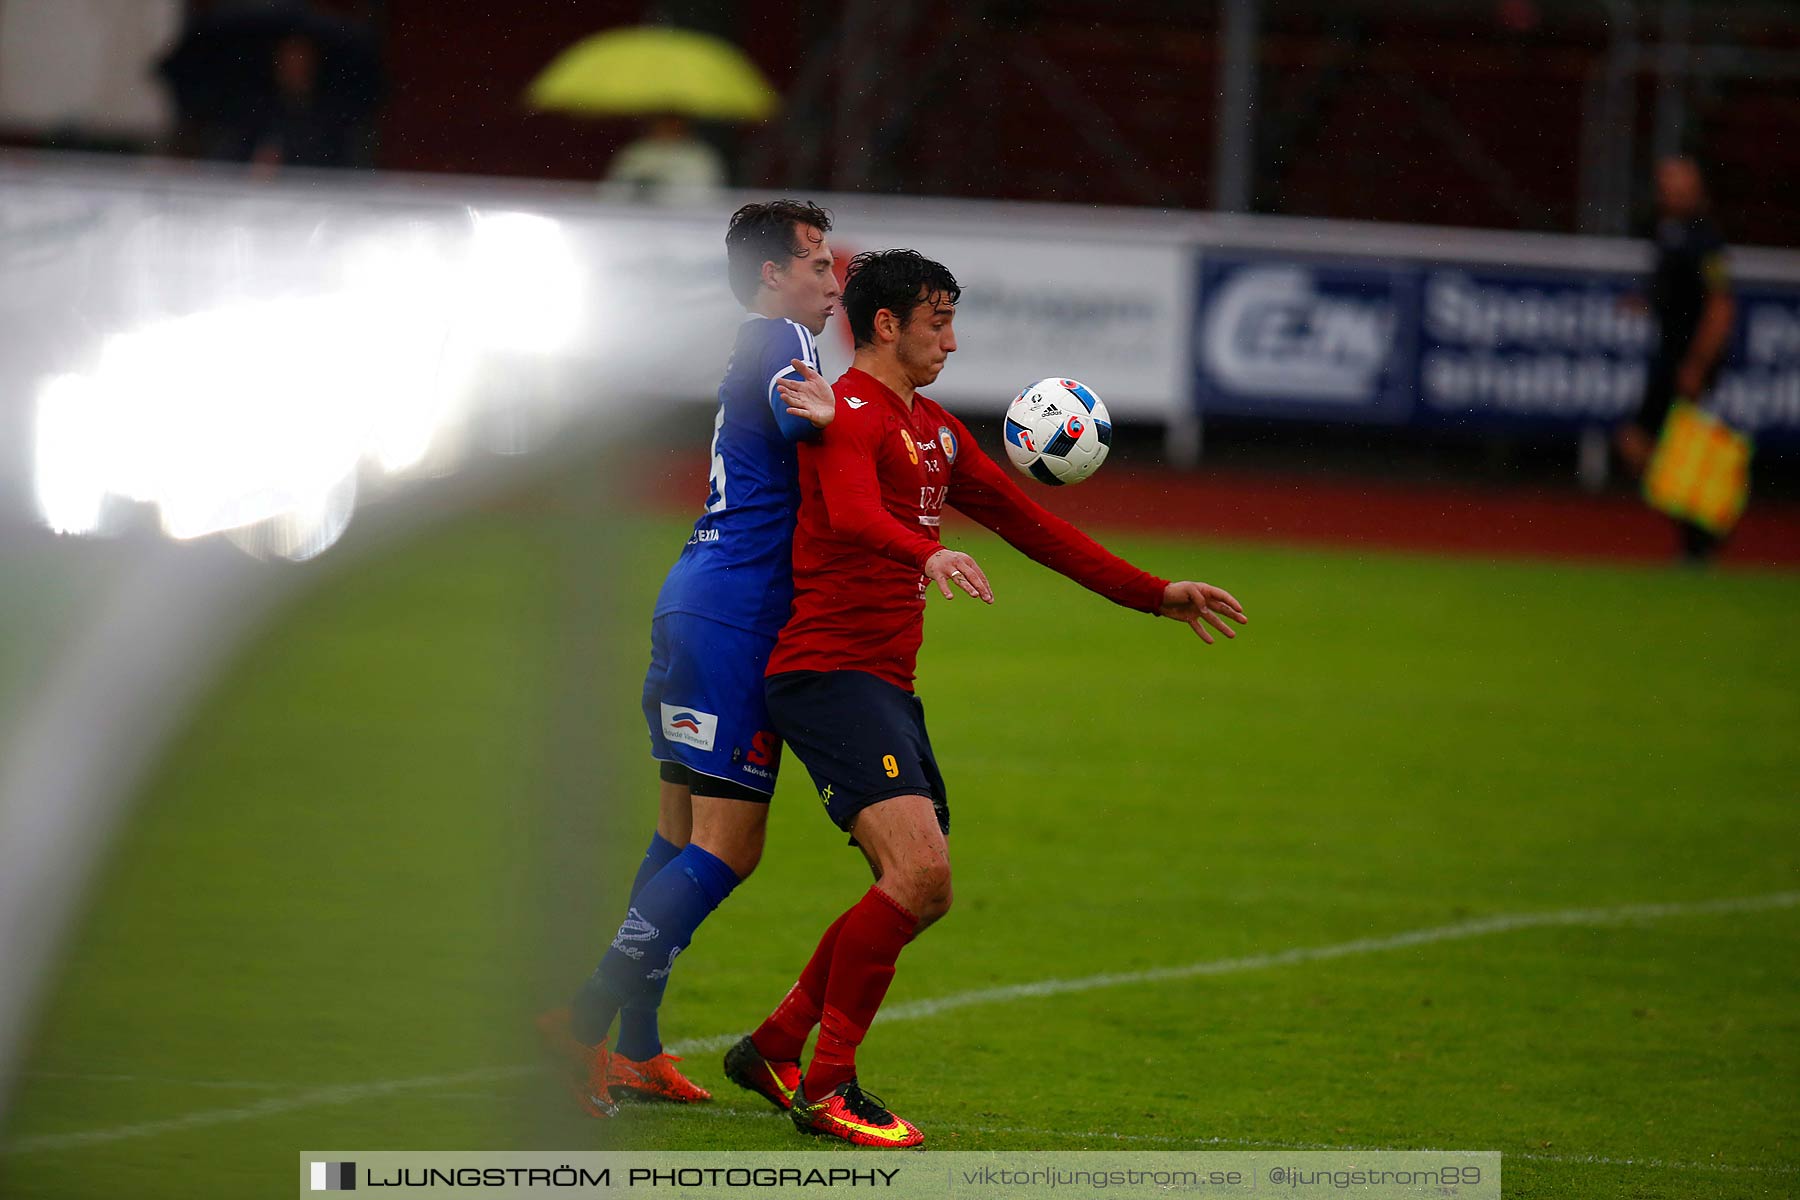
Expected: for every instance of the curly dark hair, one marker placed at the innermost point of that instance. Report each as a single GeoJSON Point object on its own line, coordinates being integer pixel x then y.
{"type": "Point", "coordinates": [761, 233]}
{"type": "Point", "coordinates": [897, 280]}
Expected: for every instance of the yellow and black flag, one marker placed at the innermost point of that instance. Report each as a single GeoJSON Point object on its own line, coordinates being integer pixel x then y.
{"type": "Point", "coordinates": [1700, 471]}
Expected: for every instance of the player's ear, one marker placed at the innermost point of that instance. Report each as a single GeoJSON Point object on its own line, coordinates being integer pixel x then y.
{"type": "Point", "coordinates": [771, 275]}
{"type": "Point", "coordinates": [887, 325]}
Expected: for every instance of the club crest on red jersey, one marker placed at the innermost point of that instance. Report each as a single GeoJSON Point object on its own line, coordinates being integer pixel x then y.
{"type": "Point", "coordinates": [947, 440]}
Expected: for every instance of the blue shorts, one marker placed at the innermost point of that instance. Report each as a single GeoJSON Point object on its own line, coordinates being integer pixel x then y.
{"type": "Point", "coordinates": [703, 701]}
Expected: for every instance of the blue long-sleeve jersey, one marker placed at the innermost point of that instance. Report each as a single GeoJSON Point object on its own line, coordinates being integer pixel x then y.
{"type": "Point", "coordinates": [736, 567]}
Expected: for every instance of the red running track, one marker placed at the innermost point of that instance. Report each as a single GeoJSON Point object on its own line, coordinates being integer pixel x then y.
{"type": "Point", "coordinates": [1330, 511]}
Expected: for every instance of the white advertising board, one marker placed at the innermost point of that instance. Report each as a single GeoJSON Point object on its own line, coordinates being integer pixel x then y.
{"type": "Point", "coordinates": [1113, 315]}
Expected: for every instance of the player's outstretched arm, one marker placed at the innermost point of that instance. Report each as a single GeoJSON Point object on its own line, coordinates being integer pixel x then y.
{"type": "Point", "coordinates": [1200, 605]}
{"type": "Point", "coordinates": [947, 566]}
{"type": "Point", "coordinates": [979, 488]}
{"type": "Point", "coordinates": [808, 397]}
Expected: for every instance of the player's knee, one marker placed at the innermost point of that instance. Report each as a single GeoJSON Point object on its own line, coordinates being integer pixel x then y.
{"type": "Point", "coordinates": [741, 850]}
{"type": "Point", "coordinates": [931, 890]}
{"type": "Point", "coordinates": [732, 830]}
{"type": "Point", "coordinates": [748, 855]}
{"type": "Point", "coordinates": [936, 908]}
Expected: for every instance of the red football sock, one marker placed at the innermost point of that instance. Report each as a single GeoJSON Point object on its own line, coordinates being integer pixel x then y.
{"type": "Point", "coordinates": [875, 930]}
{"type": "Point", "coordinates": [782, 1037]}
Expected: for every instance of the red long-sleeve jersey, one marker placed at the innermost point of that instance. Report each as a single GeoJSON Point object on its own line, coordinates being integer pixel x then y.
{"type": "Point", "coordinates": [872, 495]}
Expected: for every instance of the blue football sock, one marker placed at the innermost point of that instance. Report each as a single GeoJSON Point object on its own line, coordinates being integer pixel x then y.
{"type": "Point", "coordinates": [639, 1037]}
{"type": "Point", "coordinates": [659, 927]}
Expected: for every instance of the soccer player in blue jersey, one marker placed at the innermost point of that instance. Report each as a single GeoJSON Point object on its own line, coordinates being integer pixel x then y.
{"type": "Point", "coordinates": [721, 607]}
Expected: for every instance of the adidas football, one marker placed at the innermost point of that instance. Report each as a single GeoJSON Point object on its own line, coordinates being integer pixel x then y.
{"type": "Point", "coordinates": [1058, 431]}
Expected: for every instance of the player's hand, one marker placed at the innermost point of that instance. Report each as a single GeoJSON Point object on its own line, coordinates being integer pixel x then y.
{"type": "Point", "coordinates": [1200, 605]}
{"type": "Point", "coordinates": [1634, 447]}
{"type": "Point", "coordinates": [1689, 380]}
{"type": "Point", "coordinates": [809, 396]}
{"type": "Point", "coordinates": [947, 566]}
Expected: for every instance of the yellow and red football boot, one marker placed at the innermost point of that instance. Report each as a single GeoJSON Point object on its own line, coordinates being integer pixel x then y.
{"type": "Point", "coordinates": [852, 1115]}
{"type": "Point", "coordinates": [774, 1080]}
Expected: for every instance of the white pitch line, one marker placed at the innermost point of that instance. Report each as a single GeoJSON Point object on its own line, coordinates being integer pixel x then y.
{"type": "Point", "coordinates": [1480, 927]}
{"type": "Point", "coordinates": [714, 1111]}
{"type": "Point", "coordinates": [919, 1009]}
{"type": "Point", "coordinates": [233, 1084]}
{"type": "Point", "coordinates": [348, 1093]}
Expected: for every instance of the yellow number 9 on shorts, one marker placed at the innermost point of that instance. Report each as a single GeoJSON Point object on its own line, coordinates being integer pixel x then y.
{"type": "Point", "coordinates": [890, 766]}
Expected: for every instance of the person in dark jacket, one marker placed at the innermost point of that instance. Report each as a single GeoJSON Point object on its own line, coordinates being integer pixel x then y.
{"type": "Point", "coordinates": [1690, 295]}
{"type": "Point", "coordinates": [296, 124]}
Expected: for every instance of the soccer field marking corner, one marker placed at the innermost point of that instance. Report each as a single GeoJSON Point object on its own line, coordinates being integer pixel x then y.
{"type": "Point", "coordinates": [921, 1009]}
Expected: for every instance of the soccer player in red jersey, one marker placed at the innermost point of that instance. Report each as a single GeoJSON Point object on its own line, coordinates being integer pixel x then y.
{"type": "Point", "coordinates": [866, 552]}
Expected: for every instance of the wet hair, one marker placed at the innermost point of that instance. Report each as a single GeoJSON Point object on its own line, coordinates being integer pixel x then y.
{"type": "Point", "coordinates": [897, 280]}
{"type": "Point", "coordinates": [761, 233]}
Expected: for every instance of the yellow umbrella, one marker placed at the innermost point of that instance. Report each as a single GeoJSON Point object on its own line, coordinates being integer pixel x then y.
{"type": "Point", "coordinates": [654, 69]}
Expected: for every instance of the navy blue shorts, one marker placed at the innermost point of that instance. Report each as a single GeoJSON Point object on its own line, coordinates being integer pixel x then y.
{"type": "Point", "coordinates": [703, 702]}
{"type": "Point", "coordinates": [862, 739]}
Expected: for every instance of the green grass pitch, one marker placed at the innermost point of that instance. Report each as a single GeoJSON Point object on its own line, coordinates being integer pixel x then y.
{"type": "Point", "coordinates": [385, 841]}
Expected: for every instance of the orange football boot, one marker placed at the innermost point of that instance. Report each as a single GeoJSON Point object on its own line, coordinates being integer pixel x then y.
{"type": "Point", "coordinates": [589, 1066]}
{"type": "Point", "coordinates": [655, 1078]}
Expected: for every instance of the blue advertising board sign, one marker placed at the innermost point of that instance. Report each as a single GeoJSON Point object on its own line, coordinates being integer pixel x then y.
{"type": "Point", "coordinates": [1320, 339]}
{"type": "Point", "coordinates": [1510, 347]}
{"type": "Point", "coordinates": [1759, 389]}
{"type": "Point", "coordinates": [1461, 345]}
